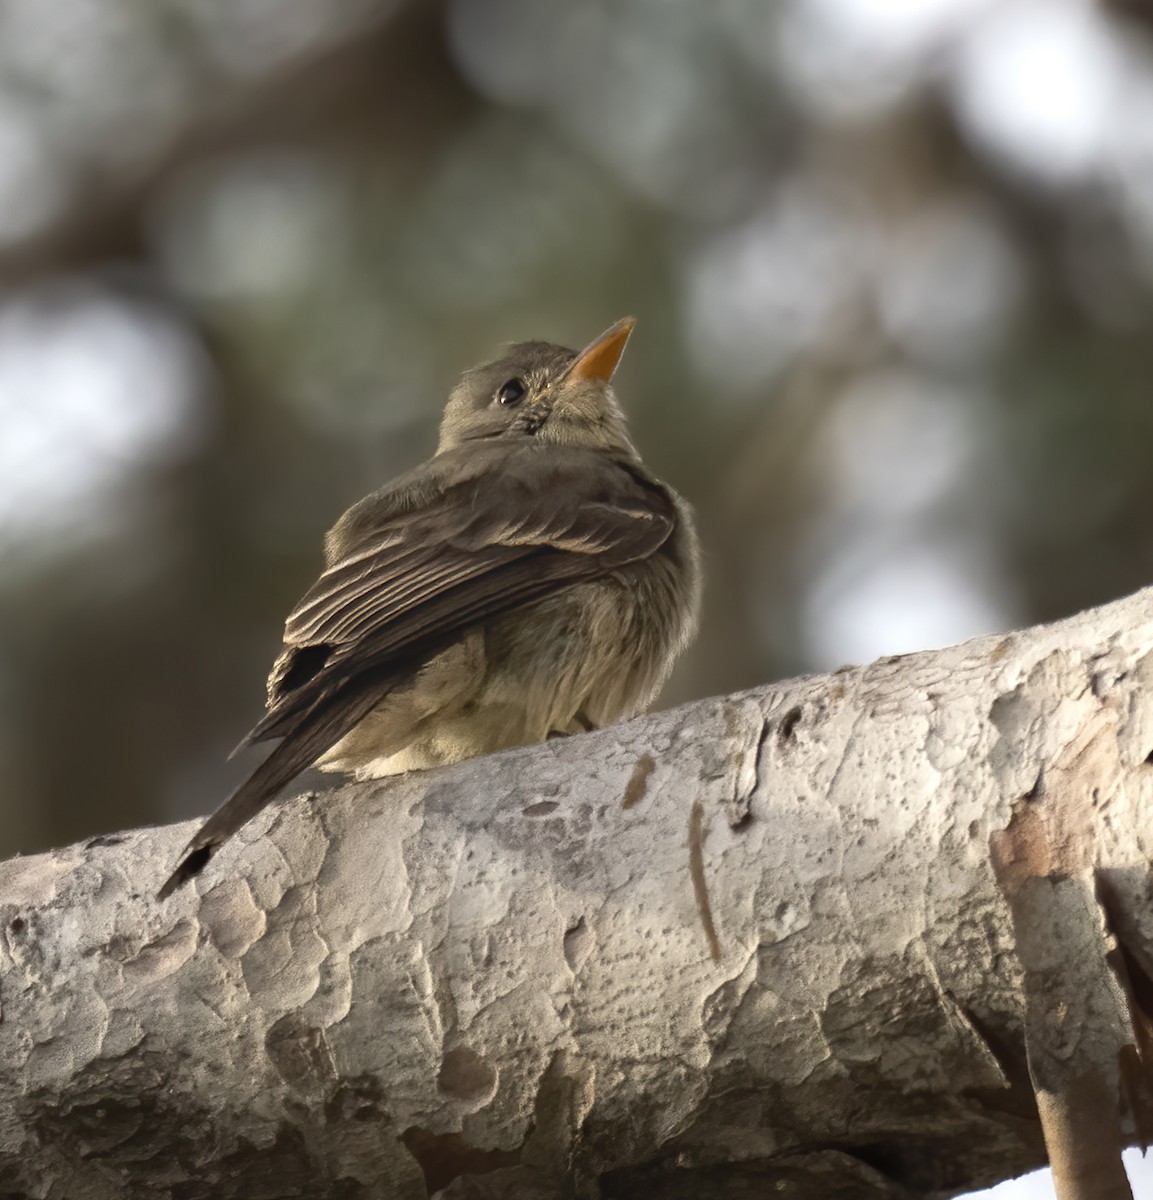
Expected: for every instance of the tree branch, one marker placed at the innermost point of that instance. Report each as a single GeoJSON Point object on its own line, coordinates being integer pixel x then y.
{"type": "Point", "coordinates": [826, 935]}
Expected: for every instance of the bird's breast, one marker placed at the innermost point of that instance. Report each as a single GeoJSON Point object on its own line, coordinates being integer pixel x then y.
{"type": "Point", "coordinates": [596, 652]}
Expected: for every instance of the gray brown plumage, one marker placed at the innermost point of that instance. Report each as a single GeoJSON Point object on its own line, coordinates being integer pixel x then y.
{"type": "Point", "coordinates": [531, 578]}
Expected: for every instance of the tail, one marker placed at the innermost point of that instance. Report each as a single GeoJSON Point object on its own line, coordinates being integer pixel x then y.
{"type": "Point", "coordinates": [317, 730]}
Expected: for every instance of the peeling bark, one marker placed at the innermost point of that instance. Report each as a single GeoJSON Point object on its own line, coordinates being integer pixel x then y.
{"type": "Point", "coordinates": [821, 939]}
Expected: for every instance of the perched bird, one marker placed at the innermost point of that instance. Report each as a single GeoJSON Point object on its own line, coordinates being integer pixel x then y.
{"type": "Point", "coordinates": [531, 579]}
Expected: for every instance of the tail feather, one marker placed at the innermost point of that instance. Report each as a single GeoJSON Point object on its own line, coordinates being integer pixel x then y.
{"type": "Point", "coordinates": [316, 732]}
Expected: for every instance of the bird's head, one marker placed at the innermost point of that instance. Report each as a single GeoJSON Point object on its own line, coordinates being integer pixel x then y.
{"type": "Point", "coordinates": [538, 390]}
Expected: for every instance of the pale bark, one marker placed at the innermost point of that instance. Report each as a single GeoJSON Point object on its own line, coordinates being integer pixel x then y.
{"type": "Point", "coordinates": [820, 939]}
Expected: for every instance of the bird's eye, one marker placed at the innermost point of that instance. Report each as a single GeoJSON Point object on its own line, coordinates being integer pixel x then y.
{"type": "Point", "coordinates": [511, 393]}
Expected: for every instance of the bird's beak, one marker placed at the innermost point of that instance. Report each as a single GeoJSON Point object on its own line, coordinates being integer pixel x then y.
{"type": "Point", "coordinates": [599, 359]}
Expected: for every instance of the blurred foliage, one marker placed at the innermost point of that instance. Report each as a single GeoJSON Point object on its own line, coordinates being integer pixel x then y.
{"type": "Point", "coordinates": [893, 266]}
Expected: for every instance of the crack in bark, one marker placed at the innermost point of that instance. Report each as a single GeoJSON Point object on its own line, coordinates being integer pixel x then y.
{"type": "Point", "coordinates": [697, 835]}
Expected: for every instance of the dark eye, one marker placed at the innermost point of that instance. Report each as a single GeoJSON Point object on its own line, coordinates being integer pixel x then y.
{"type": "Point", "coordinates": [511, 393]}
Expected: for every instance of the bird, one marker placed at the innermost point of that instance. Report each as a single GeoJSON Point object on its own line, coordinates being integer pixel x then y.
{"type": "Point", "coordinates": [532, 579]}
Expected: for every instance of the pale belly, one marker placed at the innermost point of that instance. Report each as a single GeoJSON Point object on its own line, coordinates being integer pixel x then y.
{"type": "Point", "coordinates": [592, 655]}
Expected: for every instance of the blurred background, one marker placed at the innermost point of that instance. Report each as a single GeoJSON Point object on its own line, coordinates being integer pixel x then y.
{"type": "Point", "coordinates": [892, 260]}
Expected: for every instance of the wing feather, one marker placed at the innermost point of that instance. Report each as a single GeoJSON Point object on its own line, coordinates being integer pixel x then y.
{"type": "Point", "coordinates": [462, 558]}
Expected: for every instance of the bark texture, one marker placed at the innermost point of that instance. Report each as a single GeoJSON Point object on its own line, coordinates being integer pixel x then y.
{"type": "Point", "coordinates": [875, 933]}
